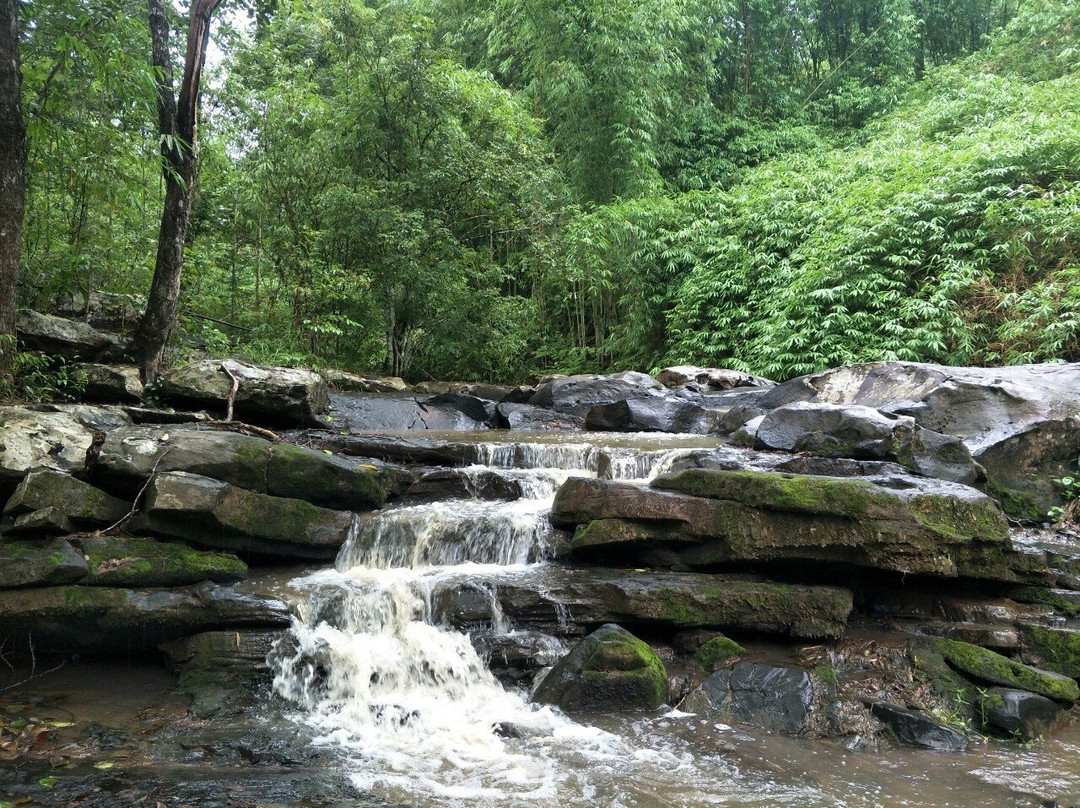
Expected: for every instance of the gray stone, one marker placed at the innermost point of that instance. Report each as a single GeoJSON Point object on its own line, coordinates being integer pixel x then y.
{"type": "Point", "coordinates": [1024, 715]}
{"type": "Point", "coordinates": [772, 697]}
{"type": "Point", "coordinates": [355, 383]}
{"type": "Point", "coordinates": [109, 384]}
{"type": "Point", "coordinates": [55, 437]}
{"type": "Point", "coordinates": [274, 395]}
{"type": "Point", "coordinates": [904, 525]}
{"type": "Point", "coordinates": [104, 619]}
{"type": "Point", "coordinates": [710, 378]}
{"type": "Point", "coordinates": [653, 414]}
{"type": "Point", "coordinates": [109, 311]}
{"type": "Point", "coordinates": [213, 513]}
{"type": "Point", "coordinates": [441, 484]}
{"type": "Point", "coordinates": [916, 729]}
{"type": "Point", "coordinates": [49, 502]}
{"type": "Point", "coordinates": [611, 670]}
{"type": "Point", "coordinates": [52, 563]}
{"type": "Point", "coordinates": [68, 338]}
{"type": "Point", "coordinates": [397, 413]}
{"type": "Point", "coordinates": [1022, 423]}
{"type": "Point", "coordinates": [561, 600]}
{"type": "Point", "coordinates": [863, 433]}
{"type": "Point", "coordinates": [579, 394]}
{"type": "Point", "coordinates": [526, 417]}
{"type": "Point", "coordinates": [143, 562]}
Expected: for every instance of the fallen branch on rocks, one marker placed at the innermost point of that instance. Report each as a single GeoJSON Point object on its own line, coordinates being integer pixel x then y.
{"type": "Point", "coordinates": [243, 429]}
{"type": "Point", "coordinates": [135, 502]}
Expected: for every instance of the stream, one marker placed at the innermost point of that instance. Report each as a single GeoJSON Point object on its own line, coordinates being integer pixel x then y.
{"type": "Point", "coordinates": [374, 671]}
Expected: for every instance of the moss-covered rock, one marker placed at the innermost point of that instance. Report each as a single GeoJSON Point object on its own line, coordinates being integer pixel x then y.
{"type": "Point", "coordinates": [128, 621]}
{"type": "Point", "coordinates": [1055, 648]}
{"type": "Point", "coordinates": [51, 563]}
{"type": "Point", "coordinates": [325, 479]}
{"type": "Point", "coordinates": [135, 562]}
{"type": "Point", "coordinates": [708, 517]}
{"type": "Point", "coordinates": [216, 514]}
{"type": "Point", "coordinates": [718, 652]}
{"type": "Point", "coordinates": [988, 666]}
{"type": "Point", "coordinates": [611, 670]}
{"type": "Point", "coordinates": [49, 502]}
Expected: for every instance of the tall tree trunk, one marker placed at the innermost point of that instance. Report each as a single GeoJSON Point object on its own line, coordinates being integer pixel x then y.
{"type": "Point", "coordinates": [12, 179]}
{"type": "Point", "coordinates": [177, 126]}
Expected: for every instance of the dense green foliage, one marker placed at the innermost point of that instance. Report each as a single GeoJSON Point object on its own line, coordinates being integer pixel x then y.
{"type": "Point", "coordinates": [499, 188]}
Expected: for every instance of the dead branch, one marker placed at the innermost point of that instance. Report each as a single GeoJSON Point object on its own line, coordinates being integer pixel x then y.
{"type": "Point", "coordinates": [232, 393]}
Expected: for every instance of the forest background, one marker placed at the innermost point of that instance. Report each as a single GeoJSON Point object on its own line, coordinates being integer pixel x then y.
{"type": "Point", "coordinates": [495, 189]}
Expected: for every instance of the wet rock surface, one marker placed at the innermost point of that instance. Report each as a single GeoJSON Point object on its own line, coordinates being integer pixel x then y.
{"type": "Point", "coordinates": [914, 728]}
{"type": "Point", "coordinates": [768, 696]}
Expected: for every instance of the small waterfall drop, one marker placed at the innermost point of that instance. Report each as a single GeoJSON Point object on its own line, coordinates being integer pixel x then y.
{"type": "Point", "coordinates": [411, 700]}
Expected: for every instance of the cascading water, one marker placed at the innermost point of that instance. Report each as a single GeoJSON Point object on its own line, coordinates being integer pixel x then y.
{"type": "Point", "coordinates": [412, 700]}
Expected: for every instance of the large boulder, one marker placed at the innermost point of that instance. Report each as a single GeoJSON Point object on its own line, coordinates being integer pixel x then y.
{"type": "Point", "coordinates": [398, 413]}
{"type": "Point", "coordinates": [104, 619]}
{"type": "Point", "coordinates": [611, 670]}
{"type": "Point", "coordinates": [68, 338]}
{"type": "Point", "coordinates": [773, 697]}
{"type": "Point", "coordinates": [213, 513]}
{"type": "Point", "coordinates": [528, 417]}
{"type": "Point", "coordinates": [109, 311]}
{"type": "Point", "coordinates": [1022, 423]}
{"type": "Point", "coordinates": [273, 395]}
{"type": "Point", "coordinates": [713, 516]}
{"type": "Point", "coordinates": [129, 456]}
{"type": "Point", "coordinates": [863, 433]}
{"type": "Point", "coordinates": [579, 394]}
{"type": "Point", "coordinates": [49, 502]}
{"type": "Point", "coordinates": [54, 437]}
{"type": "Point", "coordinates": [561, 601]}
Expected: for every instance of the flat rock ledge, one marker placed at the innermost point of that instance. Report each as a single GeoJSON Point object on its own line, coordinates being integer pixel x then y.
{"type": "Point", "coordinates": [708, 517]}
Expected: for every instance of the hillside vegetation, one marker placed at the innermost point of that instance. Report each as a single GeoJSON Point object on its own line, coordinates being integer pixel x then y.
{"type": "Point", "coordinates": [498, 189]}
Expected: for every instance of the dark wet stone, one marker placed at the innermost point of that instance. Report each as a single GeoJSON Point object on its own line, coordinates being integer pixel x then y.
{"type": "Point", "coordinates": [768, 696]}
{"type": "Point", "coordinates": [579, 394]}
{"type": "Point", "coordinates": [653, 414]}
{"type": "Point", "coordinates": [917, 729]}
{"type": "Point", "coordinates": [51, 563]}
{"type": "Point", "coordinates": [522, 416]}
{"type": "Point", "coordinates": [443, 484]}
{"type": "Point", "coordinates": [1025, 715]}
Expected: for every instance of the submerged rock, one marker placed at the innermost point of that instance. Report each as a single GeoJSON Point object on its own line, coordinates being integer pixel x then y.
{"type": "Point", "coordinates": [216, 514]}
{"type": "Point", "coordinates": [916, 729]}
{"type": "Point", "coordinates": [772, 697]}
{"type": "Point", "coordinates": [611, 670]}
{"type": "Point", "coordinates": [273, 395]}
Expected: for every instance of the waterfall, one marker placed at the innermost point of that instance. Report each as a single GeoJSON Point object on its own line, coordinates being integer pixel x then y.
{"type": "Point", "coordinates": [411, 700]}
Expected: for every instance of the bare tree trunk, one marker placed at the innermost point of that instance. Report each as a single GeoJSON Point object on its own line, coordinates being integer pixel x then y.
{"type": "Point", "coordinates": [177, 126]}
{"type": "Point", "coordinates": [12, 179]}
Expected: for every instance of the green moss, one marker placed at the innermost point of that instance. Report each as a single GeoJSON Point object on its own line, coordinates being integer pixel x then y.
{"type": "Point", "coordinates": [634, 662]}
{"type": "Point", "coordinates": [829, 678]}
{"type": "Point", "coordinates": [1016, 504]}
{"type": "Point", "coordinates": [993, 667]}
{"type": "Point", "coordinates": [717, 652]}
{"type": "Point", "coordinates": [147, 562]}
{"type": "Point", "coordinates": [1058, 649]}
{"type": "Point", "coordinates": [1063, 604]}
